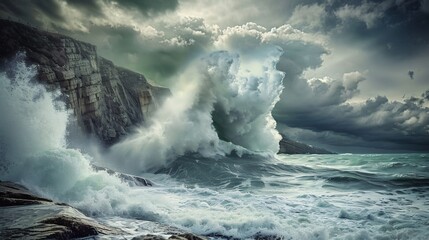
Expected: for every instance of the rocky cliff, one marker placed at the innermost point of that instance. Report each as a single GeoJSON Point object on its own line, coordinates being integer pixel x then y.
{"type": "Point", "coordinates": [107, 100]}
{"type": "Point", "coordinates": [288, 146]}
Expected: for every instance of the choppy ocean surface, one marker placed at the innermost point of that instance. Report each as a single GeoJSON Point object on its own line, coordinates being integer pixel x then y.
{"type": "Point", "coordinates": [344, 196]}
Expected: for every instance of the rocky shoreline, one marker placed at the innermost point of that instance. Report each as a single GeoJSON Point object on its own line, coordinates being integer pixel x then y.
{"type": "Point", "coordinates": [26, 215]}
{"type": "Point", "coordinates": [23, 214]}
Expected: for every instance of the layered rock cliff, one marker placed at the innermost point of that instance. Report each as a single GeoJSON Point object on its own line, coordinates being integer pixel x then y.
{"type": "Point", "coordinates": [107, 100]}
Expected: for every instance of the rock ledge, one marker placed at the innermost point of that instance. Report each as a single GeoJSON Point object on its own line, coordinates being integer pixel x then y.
{"type": "Point", "coordinates": [23, 214]}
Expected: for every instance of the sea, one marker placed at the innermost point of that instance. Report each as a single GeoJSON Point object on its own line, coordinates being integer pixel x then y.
{"type": "Point", "coordinates": [335, 196]}
{"type": "Point", "coordinates": [239, 194]}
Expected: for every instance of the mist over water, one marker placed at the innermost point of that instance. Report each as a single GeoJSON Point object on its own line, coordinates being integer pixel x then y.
{"type": "Point", "coordinates": [211, 193]}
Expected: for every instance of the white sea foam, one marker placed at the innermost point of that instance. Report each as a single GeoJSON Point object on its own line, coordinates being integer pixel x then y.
{"type": "Point", "coordinates": [31, 121]}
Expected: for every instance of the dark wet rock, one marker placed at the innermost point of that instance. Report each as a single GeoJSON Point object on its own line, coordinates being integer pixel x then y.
{"type": "Point", "coordinates": [149, 237]}
{"type": "Point", "coordinates": [12, 194]}
{"type": "Point", "coordinates": [186, 236]}
{"type": "Point", "coordinates": [260, 236]}
{"type": "Point", "coordinates": [288, 146]}
{"type": "Point", "coordinates": [23, 214]}
{"type": "Point", "coordinates": [257, 236]}
{"type": "Point", "coordinates": [131, 179]}
{"type": "Point", "coordinates": [183, 236]}
{"type": "Point", "coordinates": [41, 221]}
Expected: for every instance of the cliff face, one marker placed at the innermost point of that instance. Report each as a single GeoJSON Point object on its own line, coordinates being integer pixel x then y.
{"type": "Point", "coordinates": [107, 100]}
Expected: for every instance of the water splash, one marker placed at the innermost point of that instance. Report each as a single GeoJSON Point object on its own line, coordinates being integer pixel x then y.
{"type": "Point", "coordinates": [221, 103]}
{"type": "Point", "coordinates": [31, 121]}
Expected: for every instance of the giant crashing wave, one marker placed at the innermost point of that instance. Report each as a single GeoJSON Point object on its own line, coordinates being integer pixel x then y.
{"type": "Point", "coordinates": [220, 105]}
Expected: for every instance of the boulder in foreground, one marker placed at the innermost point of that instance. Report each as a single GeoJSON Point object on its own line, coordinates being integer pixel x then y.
{"type": "Point", "coordinates": [26, 215]}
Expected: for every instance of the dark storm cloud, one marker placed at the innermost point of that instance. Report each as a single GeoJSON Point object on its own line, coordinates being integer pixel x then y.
{"type": "Point", "coordinates": [49, 13]}
{"type": "Point", "coordinates": [146, 7]}
{"type": "Point", "coordinates": [29, 10]}
{"type": "Point", "coordinates": [343, 143]}
{"type": "Point", "coordinates": [318, 110]}
{"type": "Point", "coordinates": [394, 28]}
{"type": "Point", "coordinates": [324, 107]}
{"type": "Point", "coordinates": [149, 6]}
{"type": "Point", "coordinates": [89, 6]}
{"type": "Point", "coordinates": [400, 33]}
{"type": "Point", "coordinates": [299, 56]}
{"type": "Point", "coordinates": [420, 101]}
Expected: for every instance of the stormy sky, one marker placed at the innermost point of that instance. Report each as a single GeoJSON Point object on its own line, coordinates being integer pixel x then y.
{"type": "Point", "coordinates": [357, 77]}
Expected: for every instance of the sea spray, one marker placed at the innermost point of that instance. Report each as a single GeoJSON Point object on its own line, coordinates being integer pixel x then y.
{"type": "Point", "coordinates": [183, 124]}
{"type": "Point", "coordinates": [30, 120]}
{"type": "Point", "coordinates": [220, 104]}
{"type": "Point", "coordinates": [246, 91]}
{"type": "Point", "coordinates": [33, 130]}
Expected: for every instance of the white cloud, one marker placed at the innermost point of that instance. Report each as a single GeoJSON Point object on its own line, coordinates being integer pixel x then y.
{"type": "Point", "coordinates": [328, 91]}
{"type": "Point", "coordinates": [241, 37]}
{"type": "Point", "coordinates": [149, 32]}
{"type": "Point", "coordinates": [309, 17]}
{"type": "Point", "coordinates": [352, 79]}
{"type": "Point", "coordinates": [178, 41]}
{"type": "Point", "coordinates": [301, 50]}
